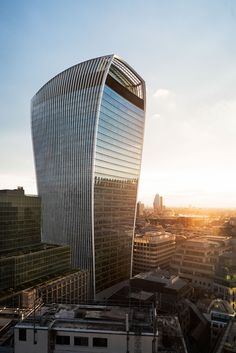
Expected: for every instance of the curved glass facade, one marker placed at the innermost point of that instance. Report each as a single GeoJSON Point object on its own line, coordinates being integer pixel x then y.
{"type": "Point", "coordinates": [87, 126]}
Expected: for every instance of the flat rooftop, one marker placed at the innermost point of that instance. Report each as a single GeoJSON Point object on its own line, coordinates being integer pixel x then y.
{"type": "Point", "coordinates": [30, 249]}
{"type": "Point", "coordinates": [91, 318]}
{"type": "Point", "coordinates": [161, 276]}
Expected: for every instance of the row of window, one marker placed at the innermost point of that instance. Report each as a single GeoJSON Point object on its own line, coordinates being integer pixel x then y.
{"type": "Point", "coordinates": [65, 340]}
{"type": "Point", "coordinates": [82, 341]}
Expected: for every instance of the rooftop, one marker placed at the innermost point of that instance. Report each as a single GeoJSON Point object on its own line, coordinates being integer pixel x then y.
{"type": "Point", "coordinates": [91, 317]}
{"type": "Point", "coordinates": [154, 237]}
{"type": "Point", "coordinates": [16, 192]}
{"type": "Point", "coordinates": [160, 276]}
{"type": "Point", "coordinates": [221, 306]}
{"type": "Point", "coordinates": [30, 249]}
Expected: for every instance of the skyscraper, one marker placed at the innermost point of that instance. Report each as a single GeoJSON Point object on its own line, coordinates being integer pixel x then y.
{"type": "Point", "coordinates": [87, 126]}
{"type": "Point", "coordinates": [156, 202]}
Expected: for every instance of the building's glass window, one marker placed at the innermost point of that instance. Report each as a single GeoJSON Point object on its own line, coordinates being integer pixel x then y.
{"type": "Point", "coordinates": [22, 334]}
{"type": "Point", "coordinates": [63, 340]}
{"type": "Point", "coordinates": [81, 341]}
{"type": "Point", "coordinates": [99, 342]}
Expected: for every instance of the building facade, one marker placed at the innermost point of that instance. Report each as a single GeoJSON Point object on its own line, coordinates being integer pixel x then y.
{"type": "Point", "coordinates": [19, 220]}
{"type": "Point", "coordinates": [196, 259]}
{"type": "Point", "coordinates": [153, 250]}
{"type": "Point", "coordinates": [28, 266]}
{"type": "Point", "coordinates": [70, 287]}
{"type": "Point", "coordinates": [87, 127]}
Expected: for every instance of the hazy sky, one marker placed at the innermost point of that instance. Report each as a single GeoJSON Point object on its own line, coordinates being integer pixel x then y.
{"type": "Point", "coordinates": [185, 51]}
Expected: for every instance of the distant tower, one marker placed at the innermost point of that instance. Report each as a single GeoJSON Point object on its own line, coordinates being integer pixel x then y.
{"type": "Point", "coordinates": [161, 203]}
{"type": "Point", "coordinates": [158, 203]}
{"type": "Point", "coordinates": [140, 209]}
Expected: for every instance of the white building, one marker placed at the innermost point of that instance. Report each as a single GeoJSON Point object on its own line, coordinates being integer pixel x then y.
{"type": "Point", "coordinates": [76, 328]}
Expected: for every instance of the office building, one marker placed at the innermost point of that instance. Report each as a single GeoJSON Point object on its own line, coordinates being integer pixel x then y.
{"type": "Point", "coordinates": [196, 259]}
{"type": "Point", "coordinates": [25, 262]}
{"type": "Point", "coordinates": [23, 266]}
{"type": "Point", "coordinates": [19, 220]}
{"type": "Point", "coordinates": [70, 287]}
{"type": "Point", "coordinates": [87, 127]}
{"type": "Point", "coordinates": [153, 250]}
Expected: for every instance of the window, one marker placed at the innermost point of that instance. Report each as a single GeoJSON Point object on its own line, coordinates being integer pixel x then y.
{"type": "Point", "coordinates": [81, 341]}
{"type": "Point", "coordinates": [99, 342]}
{"type": "Point", "coordinates": [22, 334]}
{"type": "Point", "coordinates": [63, 340]}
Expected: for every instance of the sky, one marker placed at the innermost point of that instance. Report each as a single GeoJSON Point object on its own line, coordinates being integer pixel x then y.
{"type": "Point", "coordinates": [184, 50]}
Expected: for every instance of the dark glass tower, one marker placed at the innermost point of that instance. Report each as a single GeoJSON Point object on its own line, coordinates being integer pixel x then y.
{"type": "Point", "coordinates": [87, 126]}
{"type": "Point", "coordinates": [20, 218]}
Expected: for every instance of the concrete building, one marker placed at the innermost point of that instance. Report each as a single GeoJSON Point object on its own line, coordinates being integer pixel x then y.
{"type": "Point", "coordinates": [88, 127]}
{"type": "Point", "coordinates": [152, 250]}
{"type": "Point", "coordinates": [196, 259]}
{"type": "Point", "coordinates": [67, 328]}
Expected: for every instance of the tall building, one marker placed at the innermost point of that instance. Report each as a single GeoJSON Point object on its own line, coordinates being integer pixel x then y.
{"type": "Point", "coordinates": [87, 127]}
{"type": "Point", "coordinates": [158, 203]}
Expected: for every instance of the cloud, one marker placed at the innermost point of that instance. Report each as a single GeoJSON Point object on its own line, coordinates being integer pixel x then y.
{"type": "Point", "coordinates": [161, 93]}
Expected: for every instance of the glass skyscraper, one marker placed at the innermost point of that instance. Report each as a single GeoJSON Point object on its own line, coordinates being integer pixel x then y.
{"type": "Point", "coordinates": [87, 127]}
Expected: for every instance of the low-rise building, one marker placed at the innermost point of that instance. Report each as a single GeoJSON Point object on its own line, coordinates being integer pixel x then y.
{"type": "Point", "coordinates": [196, 259]}
{"type": "Point", "coordinates": [152, 250]}
{"type": "Point", "coordinates": [64, 328]}
{"type": "Point", "coordinates": [160, 288]}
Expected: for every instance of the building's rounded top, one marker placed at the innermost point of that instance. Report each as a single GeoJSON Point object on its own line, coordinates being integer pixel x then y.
{"type": "Point", "coordinates": [221, 306]}
{"type": "Point", "coordinates": [87, 72]}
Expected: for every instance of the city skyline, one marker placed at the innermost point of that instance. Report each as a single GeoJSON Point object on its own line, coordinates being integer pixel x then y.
{"type": "Point", "coordinates": [186, 54]}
